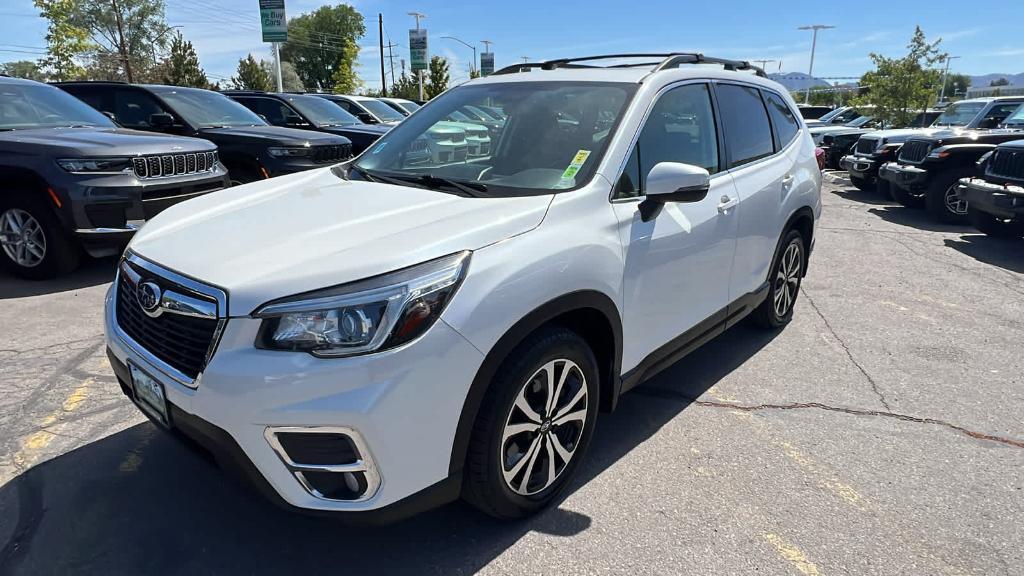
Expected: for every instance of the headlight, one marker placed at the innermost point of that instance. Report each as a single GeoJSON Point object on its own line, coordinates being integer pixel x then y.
{"type": "Point", "coordinates": [938, 153]}
{"type": "Point", "coordinates": [365, 316]}
{"type": "Point", "coordinates": [95, 165]}
{"type": "Point", "coordinates": [289, 151]}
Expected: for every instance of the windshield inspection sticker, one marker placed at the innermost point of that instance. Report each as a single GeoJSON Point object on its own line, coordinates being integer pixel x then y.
{"type": "Point", "coordinates": [568, 179]}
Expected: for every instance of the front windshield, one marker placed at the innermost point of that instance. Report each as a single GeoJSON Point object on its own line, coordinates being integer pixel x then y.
{"type": "Point", "coordinates": [409, 106]}
{"type": "Point", "coordinates": [959, 114]}
{"type": "Point", "coordinates": [322, 112]}
{"type": "Point", "coordinates": [859, 121]}
{"type": "Point", "coordinates": [1016, 119]}
{"type": "Point", "coordinates": [206, 109]}
{"type": "Point", "coordinates": [830, 115]}
{"type": "Point", "coordinates": [381, 110]}
{"type": "Point", "coordinates": [553, 138]}
{"type": "Point", "coordinates": [24, 106]}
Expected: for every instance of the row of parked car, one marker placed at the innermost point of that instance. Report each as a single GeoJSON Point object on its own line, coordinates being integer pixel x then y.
{"type": "Point", "coordinates": [967, 165]}
{"type": "Point", "coordinates": [87, 163]}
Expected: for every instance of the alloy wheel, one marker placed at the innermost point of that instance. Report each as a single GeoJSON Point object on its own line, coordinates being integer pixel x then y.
{"type": "Point", "coordinates": [22, 238]}
{"type": "Point", "coordinates": [954, 203]}
{"type": "Point", "coordinates": [544, 427]}
{"type": "Point", "coordinates": [787, 279]}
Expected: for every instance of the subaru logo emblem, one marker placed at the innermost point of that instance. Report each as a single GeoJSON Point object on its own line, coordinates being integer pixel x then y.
{"type": "Point", "coordinates": [149, 295]}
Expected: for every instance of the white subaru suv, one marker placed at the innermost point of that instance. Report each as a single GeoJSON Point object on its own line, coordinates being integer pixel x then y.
{"type": "Point", "coordinates": [383, 336]}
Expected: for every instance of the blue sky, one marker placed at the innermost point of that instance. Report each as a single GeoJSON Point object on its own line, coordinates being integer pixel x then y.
{"type": "Point", "coordinates": [988, 35]}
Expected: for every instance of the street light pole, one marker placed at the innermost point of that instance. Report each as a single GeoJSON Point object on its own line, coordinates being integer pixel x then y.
{"type": "Point", "coordinates": [945, 71]}
{"type": "Point", "coordinates": [764, 62]}
{"type": "Point", "coordinates": [814, 45]}
{"type": "Point", "coordinates": [472, 65]}
{"type": "Point", "coordinates": [419, 73]}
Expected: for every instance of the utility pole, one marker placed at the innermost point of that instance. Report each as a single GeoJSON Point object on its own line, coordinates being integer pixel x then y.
{"type": "Point", "coordinates": [945, 71]}
{"type": "Point", "coordinates": [525, 59]}
{"type": "Point", "coordinates": [380, 35]}
{"type": "Point", "coordinates": [814, 45]}
{"type": "Point", "coordinates": [391, 62]}
{"type": "Point", "coordinates": [419, 73]}
{"type": "Point", "coordinates": [277, 66]}
{"type": "Point", "coordinates": [121, 48]}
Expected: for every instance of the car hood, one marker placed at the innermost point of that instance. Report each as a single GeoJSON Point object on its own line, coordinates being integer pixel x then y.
{"type": "Point", "coordinates": [104, 141]}
{"type": "Point", "coordinates": [902, 134]}
{"type": "Point", "coordinates": [374, 129]}
{"type": "Point", "coordinates": [310, 230]}
{"type": "Point", "coordinates": [949, 137]}
{"type": "Point", "coordinates": [271, 135]}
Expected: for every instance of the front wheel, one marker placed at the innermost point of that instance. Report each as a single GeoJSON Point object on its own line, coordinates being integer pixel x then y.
{"type": "Point", "coordinates": [534, 425]}
{"type": "Point", "coordinates": [860, 183]}
{"type": "Point", "coordinates": [908, 198]}
{"type": "Point", "coordinates": [783, 283]}
{"type": "Point", "coordinates": [994, 226]}
{"type": "Point", "coordinates": [942, 201]}
{"type": "Point", "coordinates": [33, 244]}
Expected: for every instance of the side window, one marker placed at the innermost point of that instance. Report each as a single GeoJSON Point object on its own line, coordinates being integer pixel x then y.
{"type": "Point", "coordinates": [786, 124]}
{"type": "Point", "coordinates": [748, 135]}
{"type": "Point", "coordinates": [680, 128]}
{"type": "Point", "coordinates": [93, 98]}
{"type": "Point", "coordinates": [998, 114]}
{"type": "Point", "coordinates": [134, 107]}
{"type": "Point", "coordinates": [274, 111]}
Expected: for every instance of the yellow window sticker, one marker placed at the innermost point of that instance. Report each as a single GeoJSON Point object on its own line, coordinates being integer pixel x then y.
{"type": "Point", "coordinates": [568, 179]}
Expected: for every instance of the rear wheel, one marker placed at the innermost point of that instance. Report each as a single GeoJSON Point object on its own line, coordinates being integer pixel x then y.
{"type": "Point", "coordinates": [534, 425]}
{"type": "Point", "coordinates": [995, 226]}
{"type": "Point", "coordinates": [33, 244]}
{"type": "Point", "coordinates": [783, 283]}
{"type": "Point", "coordinates": [941, 199]}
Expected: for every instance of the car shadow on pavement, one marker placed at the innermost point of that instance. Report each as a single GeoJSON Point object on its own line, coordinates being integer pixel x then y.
{"type": "Point", "coordinates": [92, 272]}
{"type": "Point", "coordinates": [1006, 253]}
{"type": "Point", "coordinates": [915, 218]}
{"type": "Point", "coordinates": [858, 195]}
{"type": "Point", "coordinates": [143, 502]}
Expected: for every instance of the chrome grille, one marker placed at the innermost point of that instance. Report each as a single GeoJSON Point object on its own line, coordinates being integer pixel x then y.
{"type": "Point", "coordinates": [1008, 163]}
{"type": "Point", "coordinates": [866, 145]}
{"type": "Point", "coordinates": [174, 164]}
{"type": "Point", "coordinates": [914, 151]}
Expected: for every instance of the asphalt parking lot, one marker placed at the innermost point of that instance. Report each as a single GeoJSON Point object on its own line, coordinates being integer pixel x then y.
{"type": "Point", "coordinates": [881, 433]}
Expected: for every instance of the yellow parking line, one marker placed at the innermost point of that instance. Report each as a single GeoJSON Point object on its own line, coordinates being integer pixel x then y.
{"type": "Point", "coordinates": [40, 439]}
{"type": "Point", "coordinates": [792, 554]}
{"type": "Point", "coordinates": [825, 478]}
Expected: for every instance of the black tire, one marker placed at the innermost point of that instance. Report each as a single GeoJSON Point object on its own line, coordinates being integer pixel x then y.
{"type": "Point", "coordinates": [485, 485]}
{"type": "Point", "coordinates": [783, 276]}
{"type": "Point", "coordinates": [940, 198]}
{"type": "Point", "coordinates": [908, 198]}
{"type": "Point", "coordinates": [995, 227]}
{"type": "Point", "coordinates": [861, 183]}
{"type": "Point", "coordinates": [61, 254]}
{"type": "Point", "coordinates": [884, 188]}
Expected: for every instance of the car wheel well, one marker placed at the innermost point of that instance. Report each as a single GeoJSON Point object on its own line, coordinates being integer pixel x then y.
{"type": "Point", "coordinates": [590, 314]}
{"type": "Point", "coordinates": [803, 221]}
{"type": "Point", "coordinates": [21, 179]}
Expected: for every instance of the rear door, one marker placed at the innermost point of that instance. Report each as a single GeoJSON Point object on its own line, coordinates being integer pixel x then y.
{"type": "Point", "coordinates": [677, 265]}
{"type": "Point", "coordinates": [761, 164]}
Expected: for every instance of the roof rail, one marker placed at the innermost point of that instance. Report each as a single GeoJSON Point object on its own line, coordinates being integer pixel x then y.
{"type": "Point", "coordinates": [668, 60]}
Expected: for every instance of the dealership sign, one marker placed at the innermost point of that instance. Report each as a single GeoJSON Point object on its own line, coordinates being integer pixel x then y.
{"type": "Point", "coordinates": [275, 24]}
{"type": "Point", "coordinates": [486, 63]}
{"type": "Point", "coordinates": [418, 49]}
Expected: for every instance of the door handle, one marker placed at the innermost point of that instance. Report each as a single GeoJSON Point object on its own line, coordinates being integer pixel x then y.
{"type": "Point", "coordinates": [725, 203]}
{"type": "Point", "coordinates": [787, 181]}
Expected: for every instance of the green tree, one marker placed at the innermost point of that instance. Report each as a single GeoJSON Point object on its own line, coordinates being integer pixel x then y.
{"type": "Point", "coordinates": [290, 80]}
{"type": "Point", "coordinates": [899, 88]}
{"type": "Point", "coordinates": [251, 76]}
{"type": "Point", "coordinates": [999, 82]}
{"type": "Point", "coordinates": [24, 69]}
{"type": "Point", "coordinates": [406, 87]}
{"type": "Point", "coordinates": [474, 73]}
{"type": "Point", "coordinates": [957, 84]}
{"type": "Point", "coordinates": [438, 78]}
{"type": "Point", "coordinates": [182, 65]}
{"type": "Point", "coordinates": [66, 41]}
{"type": "Point", "coordinates": [323, 47]}
{"type": "Point", "coordinates": [129, 36]}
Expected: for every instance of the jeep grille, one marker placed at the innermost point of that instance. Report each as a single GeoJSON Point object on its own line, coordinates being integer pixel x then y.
{"type": "Point", "coordinates": [914, 151]}
{"type": "Point", "coordinates": [167, 165]}
{"type": "Point", "coordinates": [1007, 163]}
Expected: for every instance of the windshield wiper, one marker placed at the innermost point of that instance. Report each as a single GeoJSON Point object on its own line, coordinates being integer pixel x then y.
{"type": "Point", "coordinates": [429, 181]}
{"type": "Point", "coordinates": [375, 177]}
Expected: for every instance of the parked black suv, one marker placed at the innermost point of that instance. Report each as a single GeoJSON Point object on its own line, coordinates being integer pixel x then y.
{"type": "Point", "coordinates": [249, 147]}
{"type": "Point", "coordinates": [929, 167]}
{"type": "Point", "coordinates": [876, 148]}
{"type": "Point", "coordinates": [309, 113]}
{"type": "Point", "coordinates": [73, 179]}
{"type": "Point", "coordinates": [995, 198]}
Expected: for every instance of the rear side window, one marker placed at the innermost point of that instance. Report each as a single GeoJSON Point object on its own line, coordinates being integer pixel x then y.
{"type": "Point", "coordinates": [748, 135]}
{"type": "Point", "coordinates": [786, 124]}
{"type": "Point", "coordinates": [133, 108]}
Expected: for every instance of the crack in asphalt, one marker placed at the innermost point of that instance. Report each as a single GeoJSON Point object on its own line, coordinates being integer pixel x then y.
{"type": "Point", "coordinates": [662, 393]}
{"type": "Point", "coordinates": [65, 343]}
{"type": "Point", "coordinates": [846, 348]}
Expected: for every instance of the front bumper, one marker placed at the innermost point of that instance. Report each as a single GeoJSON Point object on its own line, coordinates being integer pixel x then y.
{"type": "Point", "coordinates": [904, 176]}
{"type": "Point", "coordinates": [864, 167]}
{"type": "Point", "coordinates": [995, 199]}
{"type": "Point", "coordinates": [404, 412]}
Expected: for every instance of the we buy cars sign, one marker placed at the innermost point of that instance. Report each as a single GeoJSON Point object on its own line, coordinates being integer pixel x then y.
{"type": "Point", "coordinates": [274, 22]}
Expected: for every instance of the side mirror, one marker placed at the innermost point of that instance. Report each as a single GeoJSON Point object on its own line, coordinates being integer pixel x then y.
{"type": "Point", "coordinates": [161, 120]}
{"type": "Point", "coordinates": [110, 115]}
{"type": "Point", "coordinates": [366, 118]}
{"type": "Point", "coordinates": [673, 182]}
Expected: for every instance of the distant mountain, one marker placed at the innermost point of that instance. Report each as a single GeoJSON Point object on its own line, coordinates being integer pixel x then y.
{"type": "Point", "coordinates": [984, 80]}
{"type": "Point", "coordinates": [797, 80]}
